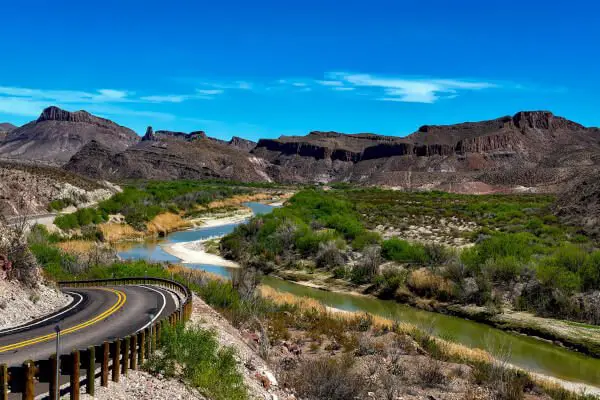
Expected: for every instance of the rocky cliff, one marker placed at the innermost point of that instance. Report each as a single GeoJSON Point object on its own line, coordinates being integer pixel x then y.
{"type": "Point", "coordinates": [442, 155]}
{"type": "Point", "coordinates": [5, 128]}
{"type": "Point", "coordinates": [168, 155]}
{"type": "Point", "coordinates": [58, 134]}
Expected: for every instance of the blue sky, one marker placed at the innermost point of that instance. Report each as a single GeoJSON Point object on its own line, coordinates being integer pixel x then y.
{"type": "Point", "coordinates": [270, 68]}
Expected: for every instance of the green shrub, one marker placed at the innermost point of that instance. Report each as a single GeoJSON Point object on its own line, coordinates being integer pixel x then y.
{"type": "Point", "coordinates": [195, 354]}
{"type": "Point", "coordinates": [503, 269]}
{"type": "Point", "coordinates": [366, 238]}
{"type": "Point", "coordinates": [590, 272]}
{"type": "Point", "coordinates": [402, 251]}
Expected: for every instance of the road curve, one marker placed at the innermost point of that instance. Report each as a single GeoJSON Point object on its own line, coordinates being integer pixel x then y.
{"type": "Point", "coordinates": [104, 314]}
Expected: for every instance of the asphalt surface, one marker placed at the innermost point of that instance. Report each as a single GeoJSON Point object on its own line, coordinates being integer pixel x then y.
{"type": "Point", "coordinates": [104, 314]}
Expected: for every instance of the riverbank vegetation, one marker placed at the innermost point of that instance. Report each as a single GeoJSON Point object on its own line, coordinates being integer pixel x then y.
{"type": "Point", "coordinates": [511, 252]}
{"type": "Point", "coordinates": [157, 207]}
{"type": "Point", "coordinates": [318, 353]}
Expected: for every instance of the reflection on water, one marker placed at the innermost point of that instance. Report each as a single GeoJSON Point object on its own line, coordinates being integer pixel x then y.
{"type": "Point", "coordinates": [151, 250]}
{"type": "Point", "coordinates": [523, 351]}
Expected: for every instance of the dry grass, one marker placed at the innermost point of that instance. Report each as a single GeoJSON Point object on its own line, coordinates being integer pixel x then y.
{"type": "Point", "coordinates": [425, 282]}
{"type": "Point", "coordinates": [114, 232]}
{"type": "Point", "coordinates": [450, 349]}
{"type": "Point", "coordinates": [165, 223]}
{"type": "Point", "coordinates": [76, 247]}
{"type": "Point", "coordinates": [194, 273]}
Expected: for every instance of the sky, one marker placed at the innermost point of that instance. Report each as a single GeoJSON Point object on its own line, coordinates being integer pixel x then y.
{"type": "Point", "coordinates": [269, 68]}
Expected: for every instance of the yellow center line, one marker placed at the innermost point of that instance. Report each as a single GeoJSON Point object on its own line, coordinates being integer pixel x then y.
{"type": "Point", "coordinates": [121, 299]}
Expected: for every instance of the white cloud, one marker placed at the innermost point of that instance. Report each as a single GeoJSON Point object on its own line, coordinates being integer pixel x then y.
{"type": "Point", "coordinates": [67, 96]}
{"type": "Point", "coordinates": [113, 94]}
{"type": "Point", "coordinates": [21, 106]}
{"type": "Point", "coordinates": [343, 88]}
{"type": "Point", "coordinates": [299, 84]}
{"type": "Point", "coordinates": [168, 98]}
{"type": "Point", "coordinates": [411, 90]}
{"type": "Point", "coordinates": [330, 83]}
{"type": "Point", "coordinates": [209, 91]}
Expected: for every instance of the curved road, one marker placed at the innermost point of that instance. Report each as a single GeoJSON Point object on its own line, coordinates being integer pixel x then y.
{"type": "Point", "coordinates": [101, 314]}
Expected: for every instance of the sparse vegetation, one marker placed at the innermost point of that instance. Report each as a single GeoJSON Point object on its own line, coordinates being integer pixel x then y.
{"type": "Point", "coordinates": [515, 242]}
{"type": "Point", "coordinates": [194, 354]}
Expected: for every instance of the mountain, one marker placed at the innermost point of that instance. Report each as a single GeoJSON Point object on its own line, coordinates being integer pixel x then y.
{"type": "Point", "coordinates": [530, 149]}
{"type": "Point", "coordinates": [58, 134]}
{"type": "Point", "coordinates": [27, 188]}
{"type": "Point", "coordinates": [169, 155]}
{"type": "Point", "coordinates": [5, 128]}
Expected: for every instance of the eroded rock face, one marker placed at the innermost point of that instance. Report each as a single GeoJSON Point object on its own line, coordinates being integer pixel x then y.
{"type": "Point", "coordinates": [168, 156]}
{"type": "Point", "coordinates": [5, 128]}
{"type": "Point", "coordinates": [441, 156]}
{"type": "Point", "coordinates": [242, 144]}
{"type": "Point", "coordinates": [149, 135]}
{"type": "Point", "coordinates": [58, 134]}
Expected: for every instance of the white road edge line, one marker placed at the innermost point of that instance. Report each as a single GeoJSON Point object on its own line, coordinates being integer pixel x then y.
{"type": "Point", "coordinates": [161, 310]}
{"type": "Point", "coordinates": [47, 319]}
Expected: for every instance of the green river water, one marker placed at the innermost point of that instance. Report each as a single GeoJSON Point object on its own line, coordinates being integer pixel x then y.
{"type": "Point", "coordinates": [528, 353]}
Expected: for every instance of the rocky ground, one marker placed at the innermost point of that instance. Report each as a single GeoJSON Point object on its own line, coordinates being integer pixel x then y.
{"type": "Point", "coordinates": [139, 385]}
{"type": "Point", "coordinates": [143, 386]}
{"type": "Point", "coordinates": [258, 376]}
{"type": "Point", "coordinates": [28, 189]}
{"type": "Point", "coordinates": [451, 231]}
{"type": "Point", "coordinates": [19, 305]}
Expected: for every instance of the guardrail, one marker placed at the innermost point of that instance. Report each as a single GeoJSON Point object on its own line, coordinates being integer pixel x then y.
{"type": "Point", "coordinates": [115, 357]}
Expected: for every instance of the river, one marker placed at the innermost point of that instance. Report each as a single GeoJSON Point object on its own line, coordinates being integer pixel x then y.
{"type": "Point", "coordinates": [528, 353]}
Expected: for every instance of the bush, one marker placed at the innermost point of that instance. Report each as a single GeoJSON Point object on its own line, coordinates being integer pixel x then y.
{"type": "Point", "coordinates": [520, 246]}
{"type": "Point", "coordinates": [426, 283]}
{"type": "Point", "coordinates": [503, 269]}
{"type": "Point", "coordinates": [365, 239]}
{"type": "Point", "coordinates": [402, 251]}
{"type": "Point", "coordinates": [327, 378]}
{"type": "Point", "coordinates": [390, 280]}
{"type": "Point", "coordinates": [195, 354]}
{"type": "Point", "coordinates": [590, 272]}
{"type": "Point", "coordinates": [329, 255]}
{"type": "Point", "coordinates": [368, 265]}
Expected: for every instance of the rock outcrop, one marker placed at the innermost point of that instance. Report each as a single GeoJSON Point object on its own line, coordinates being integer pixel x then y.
{"type": "Point", "coordinates": [168, 155]}
{"type": "Point", "coordinates": [442, 156]}
{"type": "Point", "coordinates": [5, 128]}
{"type": "Point", "coordinates": [58, 134]}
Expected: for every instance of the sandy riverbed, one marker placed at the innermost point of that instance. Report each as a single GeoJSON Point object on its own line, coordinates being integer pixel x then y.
{"type": "Point", "coordinates": [216, 221]}
{"type": "Point", "coordinates": [195, 253]}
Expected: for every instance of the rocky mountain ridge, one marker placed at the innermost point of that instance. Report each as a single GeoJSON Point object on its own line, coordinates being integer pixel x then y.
{"type": "Point", "coordinates": [526, 144]}
{"type": "Point", "coordinates": [5, 128]}
{"type": "Point", "coordinates": [531, 150]}
{"type": "Point", "coordinates": [58, 134]}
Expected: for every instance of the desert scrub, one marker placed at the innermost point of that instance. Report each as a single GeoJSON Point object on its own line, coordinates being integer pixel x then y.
{"type": "Point", "coordinates": [194, 354]}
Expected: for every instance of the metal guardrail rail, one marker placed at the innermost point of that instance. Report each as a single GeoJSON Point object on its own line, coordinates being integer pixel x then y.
{"type": "Point", "coordinates": [115, 357]}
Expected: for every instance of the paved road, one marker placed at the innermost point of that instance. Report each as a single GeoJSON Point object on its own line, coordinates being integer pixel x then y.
{"type": "Point", "coordinates": [104, 314]}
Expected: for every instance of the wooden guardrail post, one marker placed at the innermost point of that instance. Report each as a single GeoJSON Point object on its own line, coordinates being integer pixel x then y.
{"type": "Point", "coordinates": [104, 367]}
{"type": "Point", "coordinates": [142, 352]}
{"type": "Point", "coordinates": [75, 366]}
{"type": "Point", "coordinates": [53, 382]}
{"type": "Point", "coordinates": [3, 382]}
{"type": "Point", "coordinates": [90, 388]}
{"type": "Point", "coordinates": [158, 328]}
{"type": "Point", "coordinates": [149, 344]}
{"type": "Point", "coordinates": [153, 330]}
{"type": "Point", "coordinates": [29, 389]}
{"type": "Point", "coordinates": [126, 345]}
{"type": "Point", "coordinates": [133, 352]}
{"type": "Point", "coordinates": [116, 371]}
